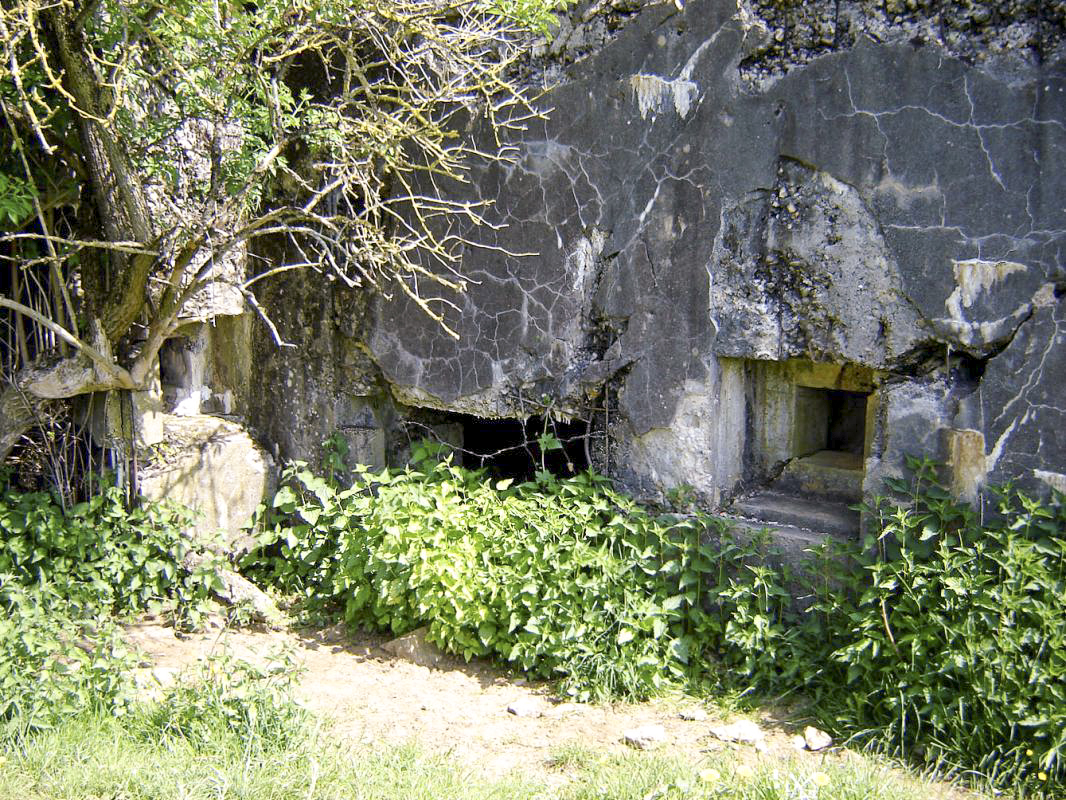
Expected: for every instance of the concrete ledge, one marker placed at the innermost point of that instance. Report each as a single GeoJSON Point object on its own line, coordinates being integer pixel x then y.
{"type": "Point", "coordinates": [817, 516]}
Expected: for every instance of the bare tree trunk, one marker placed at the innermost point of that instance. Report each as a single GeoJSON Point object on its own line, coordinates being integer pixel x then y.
{"type": "Point", "coordinates": [18, 412]}
{"type": "Point", "coordinates": [122, 210]}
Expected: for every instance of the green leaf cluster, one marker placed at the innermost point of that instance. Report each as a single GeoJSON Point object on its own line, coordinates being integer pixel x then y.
{"type": "Point", "coordinates": [535, 15]}
{"type": "Point", "coordinates": [65, 573]}
{"type": "Point", "coordinates": [56, 662]}
{"type": "Point", "coordinates": [16, 199]}
{"type": "Point", "coordinates": [565, 579]}
{"type": "Point", "coordinates": [101, 556]}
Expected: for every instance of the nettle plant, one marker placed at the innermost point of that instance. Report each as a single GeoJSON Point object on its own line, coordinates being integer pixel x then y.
{"type": "Point", "coordinates": [956, 648]}
{"type": "Point", "coordinates": [66, 575]}
{"type": "Point", "coordinates": [102, 557]}
{"type": "Point", "coordinates": [564, 578]}
{"type": "Point", "coordinates": [55, 662]}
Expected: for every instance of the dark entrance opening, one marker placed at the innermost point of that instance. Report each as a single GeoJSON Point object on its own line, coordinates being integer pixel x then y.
{"type": "Point", "coordinates": [846, 421]}
{"type": "Point", "coordinates": [830, 427]}
{"type": "Point", "coordinates": [511, 448]}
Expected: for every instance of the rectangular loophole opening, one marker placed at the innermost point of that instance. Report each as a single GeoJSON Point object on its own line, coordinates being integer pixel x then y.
{"type": "Point", "coordinates": [830, 425]}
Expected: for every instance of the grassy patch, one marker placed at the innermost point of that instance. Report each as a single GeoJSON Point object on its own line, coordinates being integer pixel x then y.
{"type": "Point", "coordinates": [97, 756]}
{"type": "Point", "coordinates": [729, 776]}
{"type": "Point", "coordinates": [230, 730]}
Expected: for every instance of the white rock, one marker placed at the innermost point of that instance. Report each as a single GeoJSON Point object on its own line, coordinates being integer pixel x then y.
{"type": "Point", "coordinates": [645, 737]}
{"type": "Point", "coordinates": [165, 676]}
{"type": "Point", "coordinates": [214, 466]}
{"type": "Point", "coordinates": [154, 677]}
{"type": "Point", "coordinates": [693, 714]}
{"type": "Point", "coordinates": [525, 707]}
{"type": "Point", "coordinates": [816, 739]}
{"type": "Point", "coordinates": [799, 743]}
{"type": "Point", "coordinates": [742, 730]}
{"type": "Point", "coordinates": [152, 683]}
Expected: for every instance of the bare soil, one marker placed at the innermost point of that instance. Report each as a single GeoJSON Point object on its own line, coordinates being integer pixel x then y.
{"type": "Point", "coordinates": [457, 708]}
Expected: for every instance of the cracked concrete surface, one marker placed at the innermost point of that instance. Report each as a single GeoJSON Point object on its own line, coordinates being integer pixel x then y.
{"type": "Point", "coordinates": [885, 204]}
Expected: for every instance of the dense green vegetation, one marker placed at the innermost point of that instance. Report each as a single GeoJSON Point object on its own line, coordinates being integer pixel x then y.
{"type": "Point", "coordinates": [564, 579]}
{"type": "Point", "coordinates": [941, 637]}
{"type": "Point", "coordinates": [954, 638]}
{"type": "Point", "coordinates": [100, 555]}
{"type": "Point", "coordinates": [65, 574]}
{"type": "Point", "coordinates": [944, 639]}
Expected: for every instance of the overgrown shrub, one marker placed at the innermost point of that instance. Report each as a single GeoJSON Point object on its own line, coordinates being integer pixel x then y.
{"type": "Point", "coordinates": [956, 648]}
{"type": "Point", "coordinates": [942, 637]}
{"type": "Point", "coordinates": [566, 579]}
{"type": "Point", "coordinates": [101, 556]}
{"type": "Point", "coordinates": [55, 661]}
{"type": "Point", "coordinates": [64, 574]}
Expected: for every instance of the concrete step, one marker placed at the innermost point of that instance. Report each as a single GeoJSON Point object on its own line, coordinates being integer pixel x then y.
{"type": "Point", "coordinates": [811, 514]}
{"type": "Point", "coordinates": [828, 474]}
{"type": "Point", "coordinates": [792, 548]}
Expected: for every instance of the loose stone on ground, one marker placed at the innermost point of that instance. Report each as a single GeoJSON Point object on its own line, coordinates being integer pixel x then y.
{"type": "Point", "coordinates": [815, 739]}
{"type": "Point", "coordinates": [413, 647]}
{"type": "Point", "coordinates": [646, 737]}
{"type": "Point", "coordinates": [525, 707]}
{"type": "Point", "coordinates": [743, 731]}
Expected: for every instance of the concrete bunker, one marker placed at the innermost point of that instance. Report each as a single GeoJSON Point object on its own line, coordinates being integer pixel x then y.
{"type": "Point", "coordinates": [811, 429]}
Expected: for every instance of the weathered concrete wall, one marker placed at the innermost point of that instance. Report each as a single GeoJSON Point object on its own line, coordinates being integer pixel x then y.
{"type": "Point", "coordinates": [319, 380]}
{"type": "Point", "coordinates": [213, 466]}
{"type": "Point", "coordinates": [886, 205]}
{"type": "Point", "coordinates": [713, 188]}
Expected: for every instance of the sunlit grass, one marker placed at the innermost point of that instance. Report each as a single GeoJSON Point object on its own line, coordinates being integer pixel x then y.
{"type": "Point", "coordinates": [731, 776]}
{"type": "Point", "coordinates": [97, 757]}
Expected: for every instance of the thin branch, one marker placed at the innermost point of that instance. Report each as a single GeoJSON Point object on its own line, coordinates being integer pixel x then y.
{"type": "Point", "coordinates": [121, 376]}
{"type": "Point", "coordinates": [266, 319]}
{"type": "Point", "coordinates": [133, 248]}
{"type": "Point", "coordinates": [276, 270]}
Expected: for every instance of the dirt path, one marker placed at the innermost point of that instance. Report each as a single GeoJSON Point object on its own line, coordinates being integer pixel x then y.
{"type": "Point", "coordinates": [456, 707]}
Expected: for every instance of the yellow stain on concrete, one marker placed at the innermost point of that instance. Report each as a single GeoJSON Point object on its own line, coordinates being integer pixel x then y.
{"type": "Point", "coordinates": [966, 456]}
{"type": "Point", "coordinates": [974, 276]}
